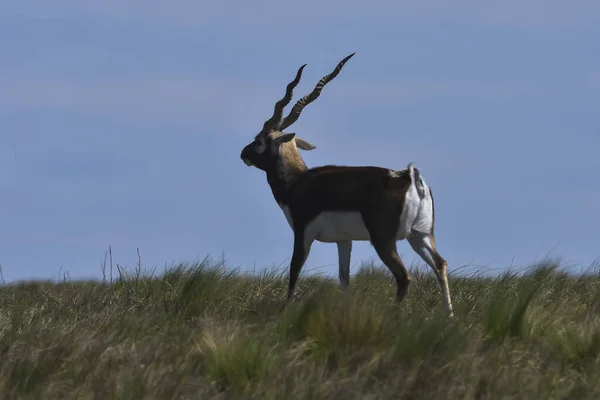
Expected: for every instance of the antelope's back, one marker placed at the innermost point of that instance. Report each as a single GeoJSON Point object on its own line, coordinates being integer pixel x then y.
{"type": "Point", "coordinates": [348, 188]}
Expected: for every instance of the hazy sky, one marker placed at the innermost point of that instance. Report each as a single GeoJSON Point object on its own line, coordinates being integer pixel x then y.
{"type": "Point", "coordinates": [122, 122]}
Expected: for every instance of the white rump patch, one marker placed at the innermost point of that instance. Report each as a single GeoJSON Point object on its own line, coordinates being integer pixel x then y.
{"type": "Point", "coordinates": [424, 221]}
{"type": "Point", "coordinates": [410, 212]}
{"type": "Point", "coordinates": [417, 214]}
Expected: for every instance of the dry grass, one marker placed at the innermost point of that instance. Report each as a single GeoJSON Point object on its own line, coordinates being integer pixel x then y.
{"type": "Point", "coordinates": [203, 332]}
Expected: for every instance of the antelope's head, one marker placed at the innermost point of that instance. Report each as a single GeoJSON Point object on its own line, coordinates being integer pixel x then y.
{"type": "Point", "coordinates": [272, 143]}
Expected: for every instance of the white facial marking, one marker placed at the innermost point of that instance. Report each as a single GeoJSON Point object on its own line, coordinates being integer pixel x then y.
{"type": "Point", "coordinates": [262, 146]}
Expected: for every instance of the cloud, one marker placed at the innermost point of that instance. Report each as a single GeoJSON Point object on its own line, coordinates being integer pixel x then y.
{"type": "Point", "coordinates": [268, 14]}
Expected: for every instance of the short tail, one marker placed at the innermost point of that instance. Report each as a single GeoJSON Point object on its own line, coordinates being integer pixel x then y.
{"type": "Point", "coordinates": [415, 176]}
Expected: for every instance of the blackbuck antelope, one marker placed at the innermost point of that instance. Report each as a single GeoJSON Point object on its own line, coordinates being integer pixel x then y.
{"type": "Point", "coordinates": [339, 204]}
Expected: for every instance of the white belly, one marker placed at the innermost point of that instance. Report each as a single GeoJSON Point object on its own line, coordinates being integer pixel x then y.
{"type": "Point", "coordinates": [333, 226]}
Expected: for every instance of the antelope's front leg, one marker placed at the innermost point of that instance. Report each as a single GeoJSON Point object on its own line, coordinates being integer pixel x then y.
{"type": "Point", "coordinates": [344, 251]}
{"type": "Point", "coordinates": [302, 244]}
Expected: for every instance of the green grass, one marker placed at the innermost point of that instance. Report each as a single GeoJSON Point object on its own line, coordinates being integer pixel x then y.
{"type": "Point", "coordinates": [204, 332]}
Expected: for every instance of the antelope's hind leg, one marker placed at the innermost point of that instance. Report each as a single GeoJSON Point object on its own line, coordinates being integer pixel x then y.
{"type": "Point", "coordinates": [424, 245]}
{"type": "Point", "coordinates": [387, 252]}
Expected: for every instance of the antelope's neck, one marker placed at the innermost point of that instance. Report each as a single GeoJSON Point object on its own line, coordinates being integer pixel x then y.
{"type": "Point", "coordinates": [288, 166]}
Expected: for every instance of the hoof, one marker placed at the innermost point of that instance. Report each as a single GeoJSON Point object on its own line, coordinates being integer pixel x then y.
{"type": "Point", "coordinates": [283, 306]}
{"type": "Point", "coordinates": [400, 295]}
{"type": "Point", "coordinates": [285, 303]}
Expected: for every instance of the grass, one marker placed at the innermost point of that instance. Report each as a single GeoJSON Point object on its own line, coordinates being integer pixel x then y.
{"type": "Point", "coordinates": [204, 332]}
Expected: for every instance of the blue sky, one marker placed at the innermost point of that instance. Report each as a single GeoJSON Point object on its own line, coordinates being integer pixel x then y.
{"type": "Point", "coordinates": [121, 125]}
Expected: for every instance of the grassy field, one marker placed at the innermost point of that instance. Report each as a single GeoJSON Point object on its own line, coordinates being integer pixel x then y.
{"type": "Point", "coordinates": [203, 332]}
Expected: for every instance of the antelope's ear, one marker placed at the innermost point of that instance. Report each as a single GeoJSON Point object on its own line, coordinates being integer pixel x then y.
{"type": "Point", "coordinates": [304, 145]}
{"type": "Point", "coordinates": [286, 137]}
